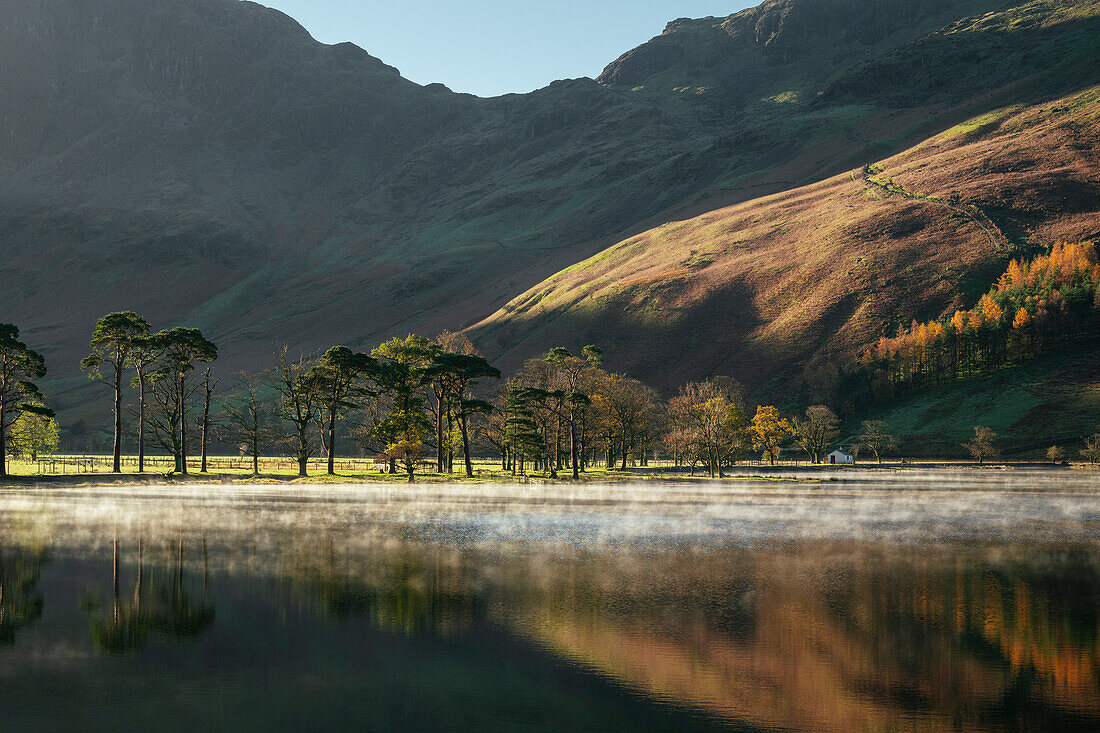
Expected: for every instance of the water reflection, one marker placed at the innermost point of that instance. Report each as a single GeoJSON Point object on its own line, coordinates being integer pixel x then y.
{"type": "Point", "coordinates": [161, 604]}
{"type": "Point", "coordinates": [383, 615]}
{"type": "Point", "coordinates": [21, 599]}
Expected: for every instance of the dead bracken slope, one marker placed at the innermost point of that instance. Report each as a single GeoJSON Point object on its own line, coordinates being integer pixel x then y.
{"type": "Point", "coordinates": [761, 289]}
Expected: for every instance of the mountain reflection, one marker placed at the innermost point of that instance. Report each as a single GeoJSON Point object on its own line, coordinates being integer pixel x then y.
{"type": "Point", "coordinates": [857, 641]}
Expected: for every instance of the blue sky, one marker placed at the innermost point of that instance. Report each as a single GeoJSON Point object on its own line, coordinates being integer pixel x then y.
{"type": "Point", "coordinates": [490, 47]}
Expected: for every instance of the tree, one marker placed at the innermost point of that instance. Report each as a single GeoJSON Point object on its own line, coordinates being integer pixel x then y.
{"type": "Point", "coordinates": [403, 373]}
{"type": "Point", "coordinates": [19, 365]}
{"type": "Point", "coordinates": [299, 395]}
{"type": "Point", "coordinates": [208, 386]}
{"type": "Point", "coordinates": [569, 371]}
{"type": "Point", "coordinates": [816, 431]}
{"type": "Point", "coordinates": [493, 430]}
{"type": "Point", "coordinates": [113, 341]}
{"type": "Point", "coordinates": [458, 373]}
{"type": "Point", "coordinates": [1055, 454]}
{"type": "Point", "coordinates": [983, 446]}
{"type": "Point", "coordinates": [707, 424]}
{"type": "Point", "coordinates": [626, 410]}
{"type": "Point", "coordinates": [34, 433]}
{"type": "Point", "coordinates": [1091, 451]}
{"type": "Point", "coordinates": [875, 435]}
{"type": "Point", "coordinates": [182, 348]}
{"type": "Point", "coordinates": [248, 418]}
{"type": "Point", "coordinates": [446, 342]}
{"type": "Point", "coordinates": [144, 354]}
{"type": "Point", "coordinates": [370, 429]}
{"type": "Point", "coordinates": [338, 377]}
{"type": "Point", "coordinates": [769, 431]}
{"type": "Point", "coordinates": [521, 432]}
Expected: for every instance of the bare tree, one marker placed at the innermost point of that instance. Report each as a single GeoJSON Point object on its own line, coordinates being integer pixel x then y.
{"type": "Point", "coordinates": [569, 372]}
{"type": "Point", "coordinates": [299, 396]}
{"type": "Point", "coordinates": [248, 418]}
{"type": "Point", "coordinates": [816, 430]}
{"type": "Point", "coordinates": [1091, 451]}
{"type": "Point", "coordinates": [208, 391]}
{"type": "Point", "coordinates": [983, 447]}
{"type": "Point", "coordinates": [876, 437]}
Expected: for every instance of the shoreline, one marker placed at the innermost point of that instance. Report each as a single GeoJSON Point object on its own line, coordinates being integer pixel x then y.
{"type": "Point", "coordinates": [799, 473]}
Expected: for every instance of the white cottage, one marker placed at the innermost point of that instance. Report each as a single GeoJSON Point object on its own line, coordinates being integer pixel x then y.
{"type": "Point", "coordinates": [841, 456]}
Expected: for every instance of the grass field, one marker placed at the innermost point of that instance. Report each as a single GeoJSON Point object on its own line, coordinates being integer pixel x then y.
{"type": "Point", "coordinates": [96, 469]}
{"type": "Point", "coordinates": [278, 469]}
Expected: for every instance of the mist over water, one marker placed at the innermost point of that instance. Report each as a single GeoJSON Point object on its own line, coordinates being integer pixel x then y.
{"type": "Point", "coordinates": [911, 601]}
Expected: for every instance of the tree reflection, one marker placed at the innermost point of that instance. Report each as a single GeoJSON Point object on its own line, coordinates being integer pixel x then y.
{"type": "Point", "coordinates": [400, 590]}
{"type": "Point", "coordinates": [21, 601]}
{"type": "Point", "coordinates": [157, 604]}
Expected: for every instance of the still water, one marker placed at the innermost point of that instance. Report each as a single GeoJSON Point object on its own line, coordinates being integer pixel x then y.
{"type": "Point", "coordinates": [923, 602]}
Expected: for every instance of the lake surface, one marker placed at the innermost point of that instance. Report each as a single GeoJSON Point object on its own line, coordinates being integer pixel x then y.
{"type": "Point", "coordinates": [918, 601]}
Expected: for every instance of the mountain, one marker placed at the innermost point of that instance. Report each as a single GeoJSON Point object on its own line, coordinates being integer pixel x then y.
{"type": "Point", "coordinates": [771, 289]}
{"type": "Point", "coordinates": [763, 289]}
{"type": "Point", "coordinates": [206, 162]}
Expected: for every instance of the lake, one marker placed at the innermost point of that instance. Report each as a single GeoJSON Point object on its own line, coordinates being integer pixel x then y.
{"type": "Point", "coordinates": [922, 601]}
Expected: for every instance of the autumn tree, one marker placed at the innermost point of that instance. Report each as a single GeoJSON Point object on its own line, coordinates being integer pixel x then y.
{"type": "Point", "coordinates": [341, 378]}
{"type": "Point", "coordinates": [708, 422]}
{"type": "Point", "coordinates": [1055, 454]}
{"type": "Point", "coordinates": [248, 418]}
{"type": "Point", "coordinates": [19, 394]}
{"type": "Point", "coordinates": [113, 342]}
{"type": "Point", "coordinates": [875, 436]}
{"type": "Point", "coordinates": [816, 430]}
{"type": "Point", "coordinates": [769, 431]}
{"type": "Point", "coordinates": [983, 446]}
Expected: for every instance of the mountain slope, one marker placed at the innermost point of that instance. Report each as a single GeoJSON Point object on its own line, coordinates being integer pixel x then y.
{"type": "Point", "coordinates": [207, 162]}
{"type": "Point", "coordinates": [766, 289]}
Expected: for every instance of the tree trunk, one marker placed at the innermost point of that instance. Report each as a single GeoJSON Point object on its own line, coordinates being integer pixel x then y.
{"type": "Point", "coordinates": [205, 422]}
{"type": "Point", "coordinates": [439, 434]}
{"type": "Point", "coordinates": [141, 422]}
{"type": "Point", "coordinates": [3, 440]}
{"type": "Point", "coordinates": [116, 456]}
{"type": "Point", "coordinates": [466, 446]}
{"type": "Point", "coordinates": [181, 459]}
{"type": "Point", "coordinates": [573, 445]}
{"type": "Point", "coordinates": [332, 442]}
{"type": "Point", "coordinates": [255, 462]}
